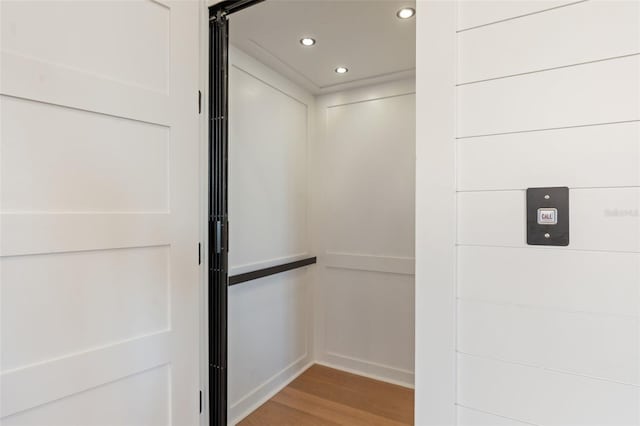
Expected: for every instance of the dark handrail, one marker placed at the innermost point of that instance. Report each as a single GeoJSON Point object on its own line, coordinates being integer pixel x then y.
{"type": "Point", "coordinates": [265, 272]}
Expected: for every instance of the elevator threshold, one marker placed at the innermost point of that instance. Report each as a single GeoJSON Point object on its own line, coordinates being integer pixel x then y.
{"type": "Point", "coordinates": [325, 396]}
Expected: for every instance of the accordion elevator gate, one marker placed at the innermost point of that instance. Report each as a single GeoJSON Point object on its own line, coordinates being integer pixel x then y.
{"type": "Point", "coordinates": [218, 221]}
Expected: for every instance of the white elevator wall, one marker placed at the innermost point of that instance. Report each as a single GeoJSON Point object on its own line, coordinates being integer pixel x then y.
{"type": "Point", "coordinates": [331, 176]}
{"type": "Point", "coordinates": [270, 318]}
{"type": "Point", "coordinates": [364, 185]}
{"type": "Point", "coordinates": [549, 335]}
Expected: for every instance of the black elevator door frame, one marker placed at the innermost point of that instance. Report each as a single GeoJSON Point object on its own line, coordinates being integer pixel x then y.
{"type": "Point", "coordinates": [218, 223]}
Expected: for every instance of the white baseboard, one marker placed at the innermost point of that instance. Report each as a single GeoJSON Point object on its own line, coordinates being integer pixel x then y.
{"type": "Point", "coordinates": [279, 381]}
{"type": "Point", "coordinates": [372, 370]}
{"type": "Point", "coordinates": [267, 390]}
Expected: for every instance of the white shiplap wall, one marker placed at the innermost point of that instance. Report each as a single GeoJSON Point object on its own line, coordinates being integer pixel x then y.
{"type": "Point", "coordinates": [548, 95]}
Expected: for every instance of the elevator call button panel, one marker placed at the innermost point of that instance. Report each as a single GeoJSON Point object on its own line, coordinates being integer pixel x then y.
{"type": "Point", "coordinates": [548, 216]}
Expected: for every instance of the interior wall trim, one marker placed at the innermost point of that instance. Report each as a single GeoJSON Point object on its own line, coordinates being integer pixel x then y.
{"type": "Point", "coordinates": [78, 89]}
{"type": "Point", "coordinates": [372, 370]}
{"type": "Point", "coordinates": [267, 75]}
{"type": "Point", "coordinates": [335, 87]}
{"type": "Point", "coordinates": [382, 90]}
{"type": "Point", "coordinates": [379, 98]}
{"type": "Point", "coordinates": [30, 386]}
{"type": "Point", "coordinates": [268, 389]}
{"type": "Point", "coordinates": [369, 81]}
{"type": "Point", "coordinates": [271, 85]}
{"type": "Point", "coordinates": [308, 83]}
{"type": "Point", "coordinates": [372, 263]}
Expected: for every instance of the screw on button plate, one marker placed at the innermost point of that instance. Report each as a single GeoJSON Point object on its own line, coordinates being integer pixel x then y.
{"type": "Point", "coordinates": [547, 235]}
{"type": "Point", "coordinates": [546, 197]}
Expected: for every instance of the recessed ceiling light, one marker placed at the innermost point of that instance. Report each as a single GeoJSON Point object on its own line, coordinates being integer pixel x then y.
{"type": "Point", "coordinates": [341, 70]}
{"type": "Point", "coordinates": [406, 13]}
{"type": "Point", "coordinates": [307, 41]}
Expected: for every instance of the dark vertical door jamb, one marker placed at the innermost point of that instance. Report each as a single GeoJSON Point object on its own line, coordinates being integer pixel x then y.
{"type": "Point", "coordinates": [218, 225]}
{"type": "Point", "coordinates": [218, 219]}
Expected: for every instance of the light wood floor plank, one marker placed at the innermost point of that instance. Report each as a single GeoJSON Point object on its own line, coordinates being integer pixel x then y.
{"type": "Point", "coordinates": [274, 414]}
{"type": "Point", "coordinates": [325, 396]}
{"type": "Point", "coordinates": [329, 410]}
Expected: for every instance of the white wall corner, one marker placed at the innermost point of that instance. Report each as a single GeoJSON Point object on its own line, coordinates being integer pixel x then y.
{"type": "Point", "coordinates": [435, 368]}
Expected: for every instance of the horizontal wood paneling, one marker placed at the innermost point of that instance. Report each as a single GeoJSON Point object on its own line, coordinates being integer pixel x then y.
{"type": "Point", "coordinates": [54, 233]}
{"type": "Point", "coordinates": [519, 45]}
{"type": "Point", "coordinates": [606, 219]}
{"type": "Point", "coordinates": [570, 280]}
{"type": "Point", "coordinates": [545, 397]}
{"type": "Point", "coordinates": [601, 219]}
{"type": "Point", "coordinates": [600, 92]}
{"type": "Point", "coordinates": [34, 385]}
{"type": "Point", "coordinates": [593, 156]}
{"type": "Point", "coordinates": [472, 13]}
{"type": "Point", "coordinates": [605, 346]}
{"type": "Point", "coordinates": [470, 417]}
{"type": "Point", "coordinates": [492, 218]}
{"type": "Point", "coordinates": [548, 95]}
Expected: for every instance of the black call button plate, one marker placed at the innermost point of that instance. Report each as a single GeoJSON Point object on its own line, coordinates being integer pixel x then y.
{"type": "Point", "coordinates": [548, 216]}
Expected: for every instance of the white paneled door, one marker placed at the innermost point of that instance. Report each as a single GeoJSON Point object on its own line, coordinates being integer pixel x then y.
{"type": "Point", "coordinates": [99, 213]}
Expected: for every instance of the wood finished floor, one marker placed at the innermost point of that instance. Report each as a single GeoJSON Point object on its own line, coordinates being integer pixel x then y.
{"type": "Point", "coordinates": [324, 396]}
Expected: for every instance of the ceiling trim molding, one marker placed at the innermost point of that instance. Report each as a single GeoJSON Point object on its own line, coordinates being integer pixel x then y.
{"type": "Point", "coordinates": [310, 83]}
{"type": "Point", "coordinates": [375, 79]}
{"type": "Point", "coordinates": [316, 89]}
